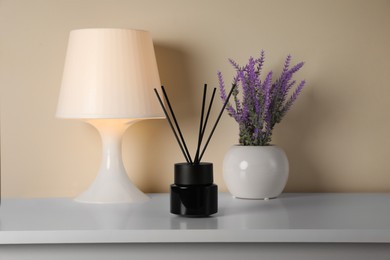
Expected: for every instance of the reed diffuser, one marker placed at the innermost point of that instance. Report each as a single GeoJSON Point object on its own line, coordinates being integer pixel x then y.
{"type": "Point", "coordinates": [193, 193]}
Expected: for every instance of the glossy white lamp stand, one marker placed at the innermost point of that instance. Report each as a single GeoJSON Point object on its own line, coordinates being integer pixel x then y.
{"type": "Point", "coordinates": [112, 185]}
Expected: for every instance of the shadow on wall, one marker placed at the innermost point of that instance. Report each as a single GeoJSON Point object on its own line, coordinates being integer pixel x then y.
{"type": "Point", "coordinates": [150, 164]}
{"type": "Point", "coordinates": [297, 134]}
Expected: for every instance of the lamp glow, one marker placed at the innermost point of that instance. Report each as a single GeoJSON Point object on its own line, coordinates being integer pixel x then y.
{"type": "Point", "coordinates": [108, 82]}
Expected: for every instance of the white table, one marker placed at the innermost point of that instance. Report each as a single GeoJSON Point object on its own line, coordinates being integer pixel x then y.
{"type": "Point", "coordinates": [294, 226]}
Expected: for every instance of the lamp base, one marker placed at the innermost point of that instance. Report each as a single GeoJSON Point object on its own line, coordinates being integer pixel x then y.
{"type": "Point", "coordinates": [112, 185]}
{"type": "Point", "coordinates": [112, 188]}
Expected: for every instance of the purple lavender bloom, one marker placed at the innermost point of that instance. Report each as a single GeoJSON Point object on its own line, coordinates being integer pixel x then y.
{"type": "Point", "coordinates": [295, 68]}
{"type": "Point", "coordinates": [260, 61]}
{"type": "Point", "coordinates": [286, 64]}
{"type": "Point", "coordinates": [235, 94]}
{"type": "Point", "coordinates": [253, 80]}
{"type": "Point", "coordinates": [229, 107]}
{"type": "Point", "coordinates": [234, 64]}
{"type": "Point", "coordinates": [287, 75]}
{"type": "Point", "coordinates": [267, 102]}
{"type": "Point", "coordinates": [263, 103]}
{"type": "Point", "coordinates": [293, 97]}
{"type": "Point", "coordinates": [246, 96]}
{"type": "Point", "coordinates": [267, 82]}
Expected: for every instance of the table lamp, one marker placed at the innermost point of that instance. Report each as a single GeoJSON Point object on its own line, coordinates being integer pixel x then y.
{"type": "Point", "coordinates": [108, 82]}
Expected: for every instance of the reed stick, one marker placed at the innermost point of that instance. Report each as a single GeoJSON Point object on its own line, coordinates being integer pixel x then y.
{"type": "Point", "coordinates": [196, 160]}
{"type": "Point", "coordinates": [170, 123]}
{"type": "Point", "coordinates": [208, 111]}
{"type": "Point", "coordinates": [216, 123]}
{"type": "Point", "coordinates": [206, 120]}
{"type": "Point", "coordinates": [176, 123]}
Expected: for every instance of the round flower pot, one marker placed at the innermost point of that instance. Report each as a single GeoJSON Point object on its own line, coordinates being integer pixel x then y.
{"type": "Point", "coordinates": [255, 172]}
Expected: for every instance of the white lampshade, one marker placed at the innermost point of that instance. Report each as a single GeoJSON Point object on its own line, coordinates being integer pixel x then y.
{"type": "Point", "coordinates": [109, 73]}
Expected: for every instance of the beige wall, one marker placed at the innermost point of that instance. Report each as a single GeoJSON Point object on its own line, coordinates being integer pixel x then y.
{"type": "Point", "coordinates": [336, 136]}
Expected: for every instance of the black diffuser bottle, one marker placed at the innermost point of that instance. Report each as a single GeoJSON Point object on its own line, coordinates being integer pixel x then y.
{"type": "Point", "coordinates": [193, 193]}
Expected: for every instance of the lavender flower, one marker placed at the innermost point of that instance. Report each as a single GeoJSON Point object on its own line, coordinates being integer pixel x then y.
{"type": "Point", "coordinates": [263, 103]}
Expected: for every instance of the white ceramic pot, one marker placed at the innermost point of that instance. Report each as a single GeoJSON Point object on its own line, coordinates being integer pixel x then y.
{"type": "Point", "coordinates": [255, 172]}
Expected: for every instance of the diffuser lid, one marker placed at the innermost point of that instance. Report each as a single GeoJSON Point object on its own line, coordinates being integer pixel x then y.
{"type": "Point", "coordinates": [194, 174]}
